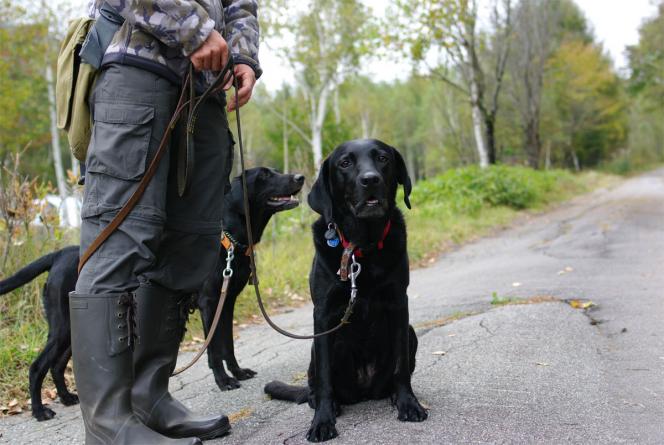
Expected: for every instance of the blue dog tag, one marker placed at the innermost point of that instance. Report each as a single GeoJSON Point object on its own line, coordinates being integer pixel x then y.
{"type": "Point", "coordinates": [334, 242]}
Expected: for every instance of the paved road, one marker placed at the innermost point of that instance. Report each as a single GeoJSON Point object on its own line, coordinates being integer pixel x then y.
{"type": "Point", "coordinates": [541, 372]}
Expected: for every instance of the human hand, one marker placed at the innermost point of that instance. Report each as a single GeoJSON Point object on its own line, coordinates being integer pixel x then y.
{"type": "Point", "coordinates": [246, 79]}
{"type": "Point", "coordinates": [212, 54]}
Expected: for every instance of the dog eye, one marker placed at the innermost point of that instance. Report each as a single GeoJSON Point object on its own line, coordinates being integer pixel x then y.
{"type": "Point", "coordinates": [345, 163]}
{"type": "Point", "coordinates": [382, 158]}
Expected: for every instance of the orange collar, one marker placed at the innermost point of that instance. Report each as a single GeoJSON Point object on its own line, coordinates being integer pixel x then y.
{"type": "Point", "coordinates": [227, 244]}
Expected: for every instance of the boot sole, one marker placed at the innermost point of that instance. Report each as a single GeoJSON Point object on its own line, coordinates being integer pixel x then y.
{"type": "Point", "coordinates": [221, 431]}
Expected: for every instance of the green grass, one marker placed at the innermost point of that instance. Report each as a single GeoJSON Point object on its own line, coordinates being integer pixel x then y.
{"type": "Point", "coordinates": [450, 209]}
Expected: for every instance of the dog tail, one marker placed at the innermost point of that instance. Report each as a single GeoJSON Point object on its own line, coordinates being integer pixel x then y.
{"type": "Point", "coordinates": [28, 273]}
{"type": "Point", "coordinates": [291, 393]}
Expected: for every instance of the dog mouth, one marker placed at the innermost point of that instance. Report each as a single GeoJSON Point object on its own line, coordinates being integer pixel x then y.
{"type": "Point", "coordinates": [370, 207]}
{"type": "Point", "coordinates": [284, 202]}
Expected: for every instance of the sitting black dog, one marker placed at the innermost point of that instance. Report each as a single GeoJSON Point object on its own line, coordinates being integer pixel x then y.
{"type": "Point", "coordinates": [373, 357]}
{"type": "Point", "coordinates": [269, 192]}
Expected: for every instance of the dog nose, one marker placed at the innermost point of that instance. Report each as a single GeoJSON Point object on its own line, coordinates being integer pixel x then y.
{"type": "Point", "coordinates": [299, 179]}
{"type": "Point", "coordinates": [369, 178]}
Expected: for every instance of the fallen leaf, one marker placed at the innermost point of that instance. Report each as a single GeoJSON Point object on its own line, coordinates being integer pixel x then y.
{"type": "Point", "coordinates": [516, 284]}
{"type": "Point", "coordinates": [15, 410]}
{"type": "Point", "coordinates": [13, 403]}
{"type": "Point", "coordinates": [451, 335]}
{"type": "Point", "coordinates": [578, 304]}
{"type": "Point", "coordinates": [425, 405]}
{"type": "Point", "coordinates": [439, 352]}
{"type": "Point", "coordinates": [51, 393]}
{"type": "Point", "coordinates": [541, 364]}
{"type": "Point", "coordinates": [568, 269]}
{"type": "Point", "coordinates": [242, 414]}
{"type": "Point", "coordinates": [197, 339]}
{"type": "Point", "coordinates": [46, 402]}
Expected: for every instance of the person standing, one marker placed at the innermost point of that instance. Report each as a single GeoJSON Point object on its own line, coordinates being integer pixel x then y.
{"type": "Point", "coordinates": [127, 311]}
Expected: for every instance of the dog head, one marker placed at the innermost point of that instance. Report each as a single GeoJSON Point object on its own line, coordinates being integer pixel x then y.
{"type": "Point", "coordinates": [360, 177]}
{"type": "Point", "coordinates": [269, 192]}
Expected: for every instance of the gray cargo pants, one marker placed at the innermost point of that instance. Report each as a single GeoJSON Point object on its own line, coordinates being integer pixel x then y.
{"type": "Point", "coordinates": [167, 240]}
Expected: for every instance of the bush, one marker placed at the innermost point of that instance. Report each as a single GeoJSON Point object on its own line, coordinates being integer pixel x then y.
{"type": "Point", "coordinates": [469, 189]}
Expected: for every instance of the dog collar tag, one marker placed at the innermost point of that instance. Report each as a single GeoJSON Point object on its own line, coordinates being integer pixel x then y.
{"type": "Point", "coordinates": [331, 236]}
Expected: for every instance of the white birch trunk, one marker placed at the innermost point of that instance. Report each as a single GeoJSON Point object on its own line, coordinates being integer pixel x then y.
{"type": "Point", "coordinates": [364, 119]}
{"type": "Point", "coordinates": [477, 126]}
{"type": "Point", "coordinates": [318, 111]}
{"type": "Point", "coordinates": [55, 144]}
{"type": "Point", "coordinates": [337, 109]}
{"type": "Point", "coordinates": [285, 139]}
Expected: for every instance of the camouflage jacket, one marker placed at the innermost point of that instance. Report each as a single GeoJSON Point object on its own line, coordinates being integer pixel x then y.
{"type": "Point", "coordinates": [159, 35]}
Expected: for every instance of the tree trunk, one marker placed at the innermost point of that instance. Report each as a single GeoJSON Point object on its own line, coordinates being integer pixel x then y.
{"type": "Point", "coordinates": [55, 145]}
{"type": "Point", "coordinates": [490, 128]}
{"type": "Point", "coordinates": [285, 133]}
{"type": "Point", "coordinates": [364, 119]}
{"type": "Point", "coordinates": [318, 111]}
{"type": "Point", "coordinates": [532, 143]}
{"type": "Point", "coordinates": [479, 133]}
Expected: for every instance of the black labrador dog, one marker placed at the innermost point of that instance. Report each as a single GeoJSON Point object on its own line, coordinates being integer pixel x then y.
{"type": "Point", "coordinates": [373, 357]}
{"type": "Point", "coordinates": [269, 192]}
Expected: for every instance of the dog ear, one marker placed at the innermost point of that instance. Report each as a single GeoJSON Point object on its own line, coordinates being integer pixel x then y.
{"type": "Point", "coordinates": [402, 176]}
{"type": "Point", "coordinates": [320, 196]}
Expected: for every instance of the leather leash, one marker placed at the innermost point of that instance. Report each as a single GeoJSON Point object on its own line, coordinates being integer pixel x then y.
{"type": "Point", "coordinates": [252, 258]}
{"type": "Point", "coordinates": [227, 274]}
{"type": "Point", "coordinates": [186, 99]}
{"type": "Point", "coordinates": [185, 168]}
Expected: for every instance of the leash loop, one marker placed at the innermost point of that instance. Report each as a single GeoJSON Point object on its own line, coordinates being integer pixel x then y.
{"type": "Point", "coordinates": [228, 271]}
{"type": "Point", "coordinates": [355, 269]}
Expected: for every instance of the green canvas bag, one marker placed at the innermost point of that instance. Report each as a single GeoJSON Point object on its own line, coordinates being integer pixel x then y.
{"type": "Point", "coordinates": [74, 82]}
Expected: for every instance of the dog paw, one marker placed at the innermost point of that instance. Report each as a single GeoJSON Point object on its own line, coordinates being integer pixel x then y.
{"type": "Point", "coordinates": [69, 399]}
{"type": "Point", "coordinates": [43, 414]}
{"type": "Point", "coordinates": [243, 373]}
{"type": "Point", "coordinates": [227, 383]}
{"type": "Point", "coordinates": [410, 409]}
{"type": "Point", "coordinates": [321, 431]}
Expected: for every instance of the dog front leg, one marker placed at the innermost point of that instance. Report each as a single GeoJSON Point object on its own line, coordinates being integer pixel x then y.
{"type": "Point", "coordinates": [323, 424]}
{"type": "Point", "coordinates": [228, 342]}
{"type": "Point", "coordinates": [408, 407]}
{"type": "Point", "coordinates": [207, 306]}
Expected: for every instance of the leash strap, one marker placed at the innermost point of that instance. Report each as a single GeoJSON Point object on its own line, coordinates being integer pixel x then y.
{"type": "Point", "coordinates": [252, 257]}
{"type": "Point", "coordinates": [227, 274]}
{"type": "Point", "coordinates": [186, 99]}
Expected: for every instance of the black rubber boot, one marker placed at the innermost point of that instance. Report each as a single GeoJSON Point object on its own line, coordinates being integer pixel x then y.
{"type": "Point", "coordinates": [161, 318]}
{"type": "Point", "coordinates": [102, 336]}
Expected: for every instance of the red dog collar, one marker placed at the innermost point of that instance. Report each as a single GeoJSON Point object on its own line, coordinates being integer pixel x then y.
{"type": "Point", "coordinates": [351, 249]}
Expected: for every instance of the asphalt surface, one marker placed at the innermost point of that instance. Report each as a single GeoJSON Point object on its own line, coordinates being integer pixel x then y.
{"type": "Point", "coordinates": [543, 372]}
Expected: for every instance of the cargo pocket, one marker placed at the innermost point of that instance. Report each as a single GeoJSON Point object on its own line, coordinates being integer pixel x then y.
{"type": "Point", "coordinates": [120, 139]}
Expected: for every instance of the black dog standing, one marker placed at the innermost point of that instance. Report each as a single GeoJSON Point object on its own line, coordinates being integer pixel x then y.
{"type": "Point", "coordinates": [373, 357]}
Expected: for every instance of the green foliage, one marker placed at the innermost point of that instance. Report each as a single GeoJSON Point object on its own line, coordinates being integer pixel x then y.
{"type": "Point", "coordinates": [646, 85]}
{"type": "Point", "coordinates": [470, 189]}
{"type": "Point", "coordinates": [646, 59]}
{"type": "Point", "coordinates": [587, 110]}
